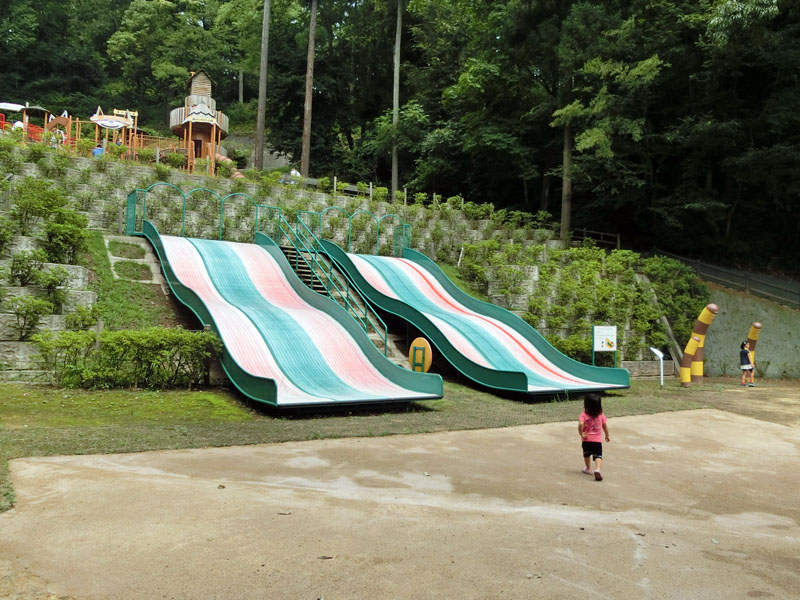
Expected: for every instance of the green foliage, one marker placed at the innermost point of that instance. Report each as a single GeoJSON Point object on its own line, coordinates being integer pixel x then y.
{"type": "Point", "coordinates": [680, 294]}
{"type": "Point", "coordinates": [578, 347]}
{"type": "Point", "coordinates": [146, 155]}
{"type": "Point", "coordinates": [35, 199]}
{"type": "Point", "coordinates": [162, 171]}
{"type": "Point", "coordinates": [53, 280]}
{"type": "Point", "coordinates": [380, 193]}
{"type": "Point", "coordinates": [117, 151]}
{"type": "Point", "coordinates": [7, 229]}
{"type": "Point", "coordinates": [28, 311]}
{"type": "Point", "coordinates": [85, 146]}
{"type": "Point", "coordinates": [324, 184]}
{"type": "Point", "coordinates": [65, 236]}
{"type": "Point", "coordinates": [175, 160]}
{"type": "Point", "coordinates": [478, 212]}
{"type": "Point", "coordinates": [155, 357]}
{"type": "Point", "coordinates": [82, 318]}
{"type": "Point", "coordinates": [25, 264]}
{"type": "Point", "coordinates": [341, 186]}
{"type": "Point", "coordinates": [226, 168]}
{"type": "Point", "coordinates": [36, 152]}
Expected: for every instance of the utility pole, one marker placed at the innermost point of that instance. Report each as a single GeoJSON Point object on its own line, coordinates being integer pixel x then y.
{"type": "Point", "coordinates": [262, 88]}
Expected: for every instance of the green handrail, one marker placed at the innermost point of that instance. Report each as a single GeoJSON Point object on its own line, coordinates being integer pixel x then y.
{"type": "Point", "coordinates": [306, 246]}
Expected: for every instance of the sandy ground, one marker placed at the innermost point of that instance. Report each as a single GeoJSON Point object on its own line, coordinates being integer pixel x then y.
{"type": "Point", "coordinates": [697, 504]}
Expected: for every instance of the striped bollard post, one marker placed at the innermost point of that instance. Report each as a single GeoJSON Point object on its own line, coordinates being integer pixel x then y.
{"type": "Point", "coordinates": [700, 328]}
{"type": "Point", "coordinates": [686, 361]}
{"type": "Point", "coordinates": [752, 338]}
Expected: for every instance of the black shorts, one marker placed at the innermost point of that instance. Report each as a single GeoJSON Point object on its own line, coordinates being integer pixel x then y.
{"type": "Point", "coordinates": [592, 448]}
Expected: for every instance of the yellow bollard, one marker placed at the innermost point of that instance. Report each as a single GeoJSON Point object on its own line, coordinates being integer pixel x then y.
{"type": "Point", "coordinates": [686, 362]}
{"type": "Point", "coordinates": [700, 328]}
{"type": "Point", "coordinates": [752, 338]}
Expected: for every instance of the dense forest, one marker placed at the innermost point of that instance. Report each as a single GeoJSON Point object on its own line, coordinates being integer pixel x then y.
{"type": "Point", "coordinates": [673, 122]}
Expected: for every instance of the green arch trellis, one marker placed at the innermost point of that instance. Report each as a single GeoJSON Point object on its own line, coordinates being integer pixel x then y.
{"type": "Point", "coordinates": [137, 208]}
{"type": "Point", "coordinates": [264, 215]}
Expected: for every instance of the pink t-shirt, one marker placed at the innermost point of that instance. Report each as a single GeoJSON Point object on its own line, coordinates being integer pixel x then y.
{"type": "Point", "coordinates": [593, 426]}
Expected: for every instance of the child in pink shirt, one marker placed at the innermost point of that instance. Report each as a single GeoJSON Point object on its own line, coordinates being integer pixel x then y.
{"type": "Point", "coordinates": [591, 426]}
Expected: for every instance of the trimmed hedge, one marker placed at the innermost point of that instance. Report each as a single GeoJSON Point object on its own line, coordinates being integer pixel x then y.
{"type": "Point", "coordinates": [156, 357]}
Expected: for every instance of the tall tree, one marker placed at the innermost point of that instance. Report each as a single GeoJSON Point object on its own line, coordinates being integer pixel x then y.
{"type": "Point", "coordinates": [396, 94]}
{"type": "Point", "coordinates": [305, 155]}
{"type": "Point", "coordinates": [262, 88]}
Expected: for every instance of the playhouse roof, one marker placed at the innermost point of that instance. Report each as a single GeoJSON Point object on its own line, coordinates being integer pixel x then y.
{"type": "Point", "coordinates": [196, 75]}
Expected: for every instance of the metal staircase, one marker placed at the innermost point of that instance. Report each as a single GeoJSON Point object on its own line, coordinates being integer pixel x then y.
{"type": "Point", "coordinates": [302, 249]}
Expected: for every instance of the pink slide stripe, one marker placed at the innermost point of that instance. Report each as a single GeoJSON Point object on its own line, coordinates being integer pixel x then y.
{"type": "Point", "coordinates": [240, 336]}
{"type": "Point", "coordinates": [373, 276]}
{"type": "Point", "coordinates": [336, 345]}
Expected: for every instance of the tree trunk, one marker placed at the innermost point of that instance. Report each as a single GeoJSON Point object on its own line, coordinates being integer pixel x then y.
{"type": "Point", "coordinates": [396, 98]}
{"type": "Point", "coordinates": [305, 153]}
{"type": "Point", "coordinates": [241, 87]}
{"type": "Point", "coordinates": [566, 183]}
{"type": "Point", "coordinates": [262, 88]}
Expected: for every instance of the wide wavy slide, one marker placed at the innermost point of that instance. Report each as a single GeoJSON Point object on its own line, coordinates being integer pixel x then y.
{"type": "Point", "coordinates": [283, 344]}
{"type": "Point", "coordinates": [486, 343]}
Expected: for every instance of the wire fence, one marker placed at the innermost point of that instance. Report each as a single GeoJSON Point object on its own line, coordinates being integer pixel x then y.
{"type": "Point", "coordinates": [778, 290]}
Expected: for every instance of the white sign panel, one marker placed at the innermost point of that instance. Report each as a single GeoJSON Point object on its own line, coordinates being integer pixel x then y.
{"type": "Point", "coordinates": [605, 338]}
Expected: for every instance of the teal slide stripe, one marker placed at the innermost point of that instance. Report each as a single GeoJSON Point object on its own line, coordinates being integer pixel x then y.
{"type": "Point", "coordinates": [291, 346]}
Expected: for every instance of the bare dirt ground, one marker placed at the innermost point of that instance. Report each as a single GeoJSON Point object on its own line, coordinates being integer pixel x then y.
{"type": "Point", "coordinates": [695, 504]}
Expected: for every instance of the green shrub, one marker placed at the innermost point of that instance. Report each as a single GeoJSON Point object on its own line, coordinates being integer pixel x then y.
{"type": "Point", "coordinates": [324, 184]}
{"type": "Point", "coordinates": [154, 358]}
{"type": "Point", "coordinates": [226, 168]}
{"type": "Point", "coordinates": [162, 171]}
{"type": "Point", "coordinates": [53, 281]}
{"type": "Point", "coordinates": [54, 165]}
{"type": "Point", "coordinates": [473, 272]}
{"type": "Point", "coordinates": [380, 194]}
{"type": "Point", "coordinates": [146, 155]}
{"type": "Point", "coordinates": [175, 160]}
{"type": "Point", "coordinates": [36, 152]}
{"type": "Point", "coordinates": [575, 346]}
{"type": "Point", "coordinates": [201, 166]}
{"type": "Point", "coordinates": [82, 318]}
{"type": "Point", "coordinates": [65, 236]}
{"type": "Point", "coordinates": [25, 264]}
{"type": "Point", "coordinates": [7, 229]}
{"type": "Point", "coordinates": [478, 212]}
{"type": "Point", "coordinates": [101, 163]}
{"type": "Point", "coordinates": [117, 151]}
{"type": "Point", "coordinates": [8, 146]}
{"type": "Point", "coordinates": [85, 146]}
{"type": "Point", "coordinates": [35, 200]}
{"type": "Point", "coordinates": [29, 312]}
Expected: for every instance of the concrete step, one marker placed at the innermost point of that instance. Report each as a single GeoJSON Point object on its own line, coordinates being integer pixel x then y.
{"type": "Point", "coordinates": [26, 376]}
